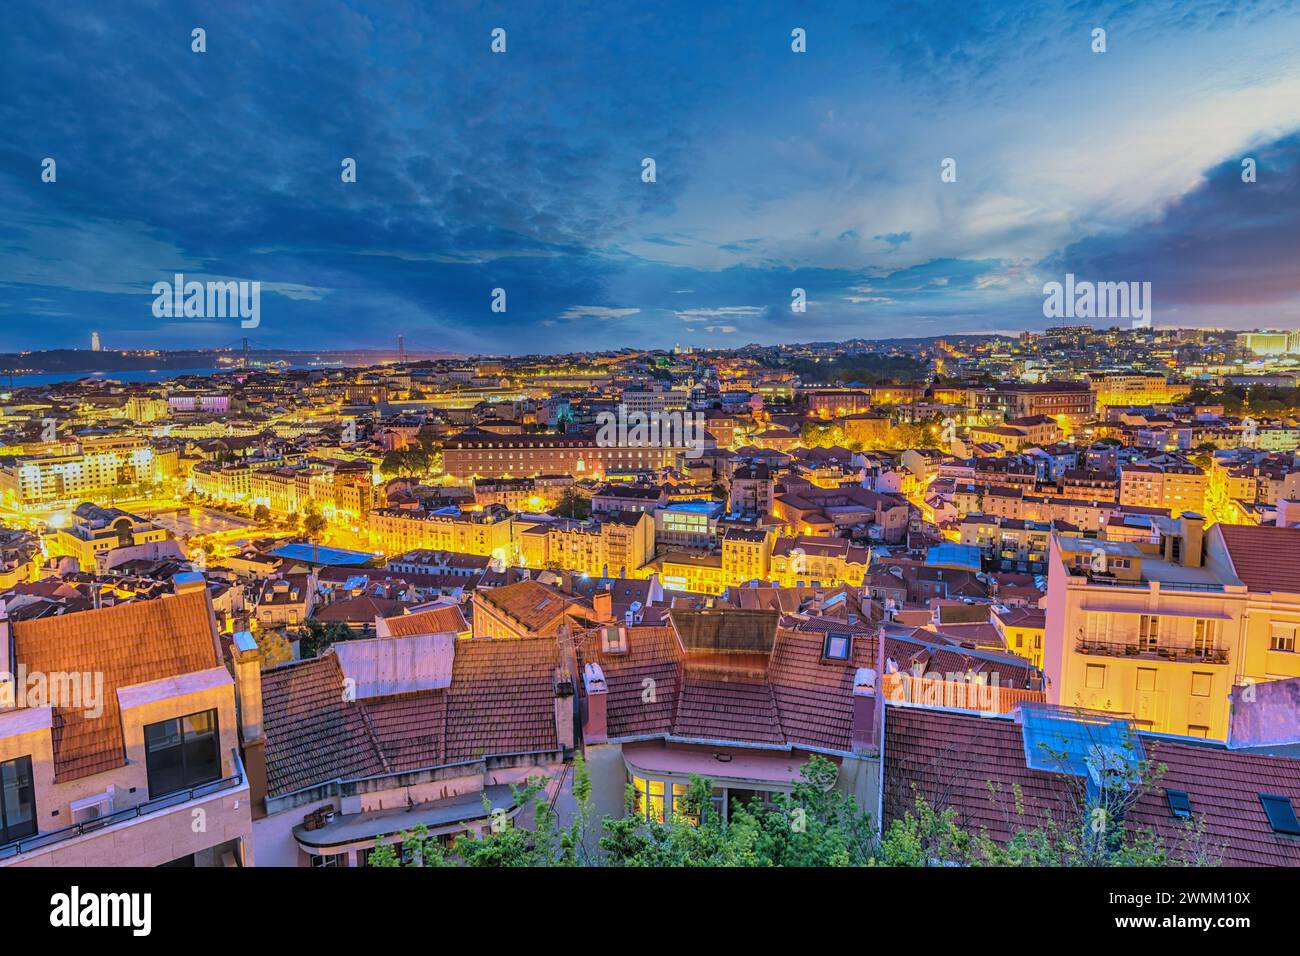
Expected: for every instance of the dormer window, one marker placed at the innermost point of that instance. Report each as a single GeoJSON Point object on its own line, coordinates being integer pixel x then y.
{"type": "Point", "coordinates": [838, 646]}
{"type": "Point", "coordinates": [613, 640]}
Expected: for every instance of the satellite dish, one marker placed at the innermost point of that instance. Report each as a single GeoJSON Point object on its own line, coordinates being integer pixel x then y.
{"type": "Point", "coordinates": [1098, 563]}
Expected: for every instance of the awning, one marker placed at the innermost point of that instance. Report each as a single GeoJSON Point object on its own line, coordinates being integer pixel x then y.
{"type": "Point", "coordinates": [350, 828]}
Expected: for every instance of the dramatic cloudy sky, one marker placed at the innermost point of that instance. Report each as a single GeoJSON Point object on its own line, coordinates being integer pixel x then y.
{"type": "Point", "coordinates": [522, 171]}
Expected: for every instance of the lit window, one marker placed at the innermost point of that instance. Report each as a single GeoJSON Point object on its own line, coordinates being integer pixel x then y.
{"type": "Point", "coordinates": [1283, 638]}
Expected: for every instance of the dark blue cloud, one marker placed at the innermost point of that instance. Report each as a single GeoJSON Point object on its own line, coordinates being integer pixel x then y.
{"type": "Point", "coordinates": [523, 172]}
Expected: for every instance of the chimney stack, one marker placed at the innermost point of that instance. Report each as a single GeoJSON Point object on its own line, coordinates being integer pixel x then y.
{"type": "Point", "coordinates": [8, 681]}
{"type": "Point", "coordinates": [564, 712]}
{"type": "Point", "coordinates": [595, 729]}
{"type": "Point", "coordinates": [248, 692]}
{"type": "Point", "coordinates": [248, 685]}
{"type": "Point", "coordinates": [866, 699]}
{"type": "Point", "coordinates": [602, 603]}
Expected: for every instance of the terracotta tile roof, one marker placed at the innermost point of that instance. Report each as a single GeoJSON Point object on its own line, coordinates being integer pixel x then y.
{"type": "Point", "coordinates": [953, 760]}
{"type": "Point", "coordinates": [815, 696]}
{"type": "Point", "coordinates": [1265, 559]}
{"type": "Point", "coordinates": [716, 705]}
{"type": "Point", "coordinates": [501, 698]}
{"type": "Point", "coordinates": [436, 620]}
{"type": "Point", "coordinates": [312, 733]}
{"type": "Point", "coordinates": [533, 605]}
{"type": "Point", "coordinates": [130, 644]}
{"type": "Point", "coordinates": [362, 609]}
{"type": "Point", "coordinates": [802, 699]}
{"type": "Point", "coordinates": [501, 701]}
{"type": "Point", "coordinates": [653, 654]}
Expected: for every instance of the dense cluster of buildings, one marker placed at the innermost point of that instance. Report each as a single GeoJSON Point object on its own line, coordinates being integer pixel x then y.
{"type": "Point", "coordinates": [326, 605]}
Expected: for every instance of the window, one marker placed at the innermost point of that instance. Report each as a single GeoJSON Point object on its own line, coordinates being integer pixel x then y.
{"type": "Point", "coordinates": [838, 646]}
{"type": "Point", "coordinates": [1203, 637]}
{"type": "Point", "coordinates": [648, 801]}
{"type": "Point", "coordinates": [1281, 815]}
{"type": "Point", "coordinates": [1180, 804]}
{"type": "Point", "coordinates": [1202, 684]}
{"type": "Point", "coordinates": [682, 810]}
{"type": "Point", "coordinates": [1146, 678]}
{"type": "Point", "coordinates": [1148, 632]}
{"type": "Point", "coordinates": [1096, 676]}
{"type": "Point", "coordinates": [1196, 730]}
{"type": "Point", "coordinates": [1283, 638]}
{"type": "Point", "coordinates": [182, 752]}
{"type": "Point", "coordinates": [17, 800]}
{"type": "Point", "coordinates": [327, 859]}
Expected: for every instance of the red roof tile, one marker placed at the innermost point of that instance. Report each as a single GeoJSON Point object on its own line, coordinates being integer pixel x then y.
{"type": "Point", "coordinates": [501, 701]}
{"type": "Point", "coordinates": [970, 764]}
{"type": "Point", "coordinates": [1265, 559]}
{"type": "Point", "coordinates": [130, 644]}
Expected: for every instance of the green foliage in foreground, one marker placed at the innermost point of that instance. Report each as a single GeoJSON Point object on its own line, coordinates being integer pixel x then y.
{"type": "Point", "coordinates": [815, 825]}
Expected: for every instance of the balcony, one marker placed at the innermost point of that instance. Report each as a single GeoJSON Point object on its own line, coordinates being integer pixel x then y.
{"type": "Point", "coordinates": [40, 841]}
{"type": "Point", "coordinates": [1163, 651]}
{"type": "Point", "coordinates": [1110, 581]}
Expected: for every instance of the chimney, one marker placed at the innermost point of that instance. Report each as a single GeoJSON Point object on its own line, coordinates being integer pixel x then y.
{"type": "Point", "coordinates": [866, 699]}
{"type": "Point", "coordinates": [602, 603]}
{"type": "Point", "coordinates": [248, 685]}
{"type": "Point", "coordinates": [8, 681]}
{"type": "Point", "coordinates": [595, 729]}
{"type": "Point", "coordinates": [248, 693]}
{"type": "Point", "coordinates": [564, 713]}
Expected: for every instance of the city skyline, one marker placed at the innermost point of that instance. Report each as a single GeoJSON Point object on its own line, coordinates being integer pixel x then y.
{"type": "Point", "coordinates": [522, 171]}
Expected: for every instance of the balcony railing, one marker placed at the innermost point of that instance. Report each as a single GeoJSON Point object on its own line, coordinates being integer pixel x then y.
{"type": "Point", "coordinates": [1110, 581]}
{"type": "Point", "coordinates": [39, 841]}
{"type": "Point", "coordinates": [1162, 651]}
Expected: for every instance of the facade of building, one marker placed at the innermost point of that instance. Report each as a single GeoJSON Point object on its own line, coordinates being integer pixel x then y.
{"type": "Point", "coordinates": [398, 530]}
{"type": "Point", "coordinates": [1145, 629]}
{"type": "Point", "coordinates": [93, 531]}
{"type": "Point", "coordinates": [473, 454]}
{"type": "Point", "coordinates": [131, 738]}
{"type": "Point", "coordinates": [1175, 487]}
{"type": "Point", "coordinates": [102, 468]}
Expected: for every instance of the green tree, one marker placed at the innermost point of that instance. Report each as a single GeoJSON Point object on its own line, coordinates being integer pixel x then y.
{"type": "Point", "coordinates": [314, 525]}
{"type": "Point", "coordinates": [314, 636]}
{"type": "Point", "coordinates": [572, 505]}
{"type": "Point", "coordinates": [504, 844]}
